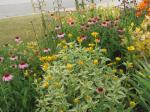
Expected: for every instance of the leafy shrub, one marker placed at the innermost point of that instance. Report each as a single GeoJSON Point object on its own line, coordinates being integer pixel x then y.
{"type": "Point", "coordinates": [79, 80]}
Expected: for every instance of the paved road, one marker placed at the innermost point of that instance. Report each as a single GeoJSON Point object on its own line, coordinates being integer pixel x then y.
{"type": "Point", "coordinates": [10, 8]}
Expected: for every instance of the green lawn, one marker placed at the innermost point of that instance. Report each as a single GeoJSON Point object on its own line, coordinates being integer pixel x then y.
{"type": "Point", "coordinates": [19, 26]}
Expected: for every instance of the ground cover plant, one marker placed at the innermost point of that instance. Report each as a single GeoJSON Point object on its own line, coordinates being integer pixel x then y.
{"type": "Point", "coordinates": [93, 59]}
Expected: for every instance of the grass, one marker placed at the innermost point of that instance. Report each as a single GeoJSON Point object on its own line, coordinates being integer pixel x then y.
{"type": "Point", "coordinates": [19, 26]}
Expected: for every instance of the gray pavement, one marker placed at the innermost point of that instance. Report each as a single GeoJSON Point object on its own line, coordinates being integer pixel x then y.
{"type": "Point", "coordinates": [11, 8]}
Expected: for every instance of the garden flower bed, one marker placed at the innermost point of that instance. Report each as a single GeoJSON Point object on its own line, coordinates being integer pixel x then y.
{"type": "Point", "coordinates": [94, 59]}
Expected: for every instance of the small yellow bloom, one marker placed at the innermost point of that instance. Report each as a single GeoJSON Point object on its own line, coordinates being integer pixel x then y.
{"type": "Point", "coordinates": [70, 35]}
{"type": "Point", "coordinates": [129, 65]}
{"type": "Point", "coordinates": [88, 98]}
{"type": "Point", "coordinates": [121, 71]}
{"type": "Point", "coordinates": [95, 62]}
{"type": "Point", "coordinates": [49, 77]}
{"type": "Point", "coordinates": [80, 62]}
{"type": "Point", "coordinates": [131, 48]}
{"type": "Point", "coordinates": [114, 70]}
{"type": "Point", "coordinates": [115, 78]}
{"type": "Point", "coordinates": [132, 103]}
{"type": "Point", "coordinates": [45, 66]}
{"type": "Point", "coordinates": [76, 100]}
{"type": "Point", "coordinates": [79, 39]}
{"type": "Point", "coordinates": [45, 85]}
{"type": "Point", "coordinates": [117, 58]}
{"type": "Point", "coordinates": [91, 45]}
{"type": "Point", "coordinates": [104, 50]}
{"type": "Point", "coordinates": [57, 84]}
{"type": "Point", "coordinates": [94, 34]}
{"type": "Point", "coordinates": [65, 47]}
{"type": "Point", "coordinates": [69, 66]}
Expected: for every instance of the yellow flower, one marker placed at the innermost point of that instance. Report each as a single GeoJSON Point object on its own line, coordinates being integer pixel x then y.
{"type": "Point", "coordinates": [76, 100]}
{"type": "Point", "coordinates": [132, 103]}
{"type": "Point", "coordinates": [45, 66]}
{"type": "Point", "coordinates": [91, 45]}
{"type": "Point", "coordinates": [57, 84]}
{"type": "Point", "coordinates": [80, 62]}
{"type": "Point", "coordinates": [69, 66]}
{"type": "Point", "coordinates": [114, 70]}
{"type": "Point", "coordinates": [49, 77]}
{"type": "Point", "coordinates": [70, 35]}
{"type": "Point", "coordinates": [79, 39]}
{"type": "Point", "coordinates": [121, 71]}
{"type": "Point", "coordinates": [65, 47]}
{"type": "Point", "coordinates": [104, 50]}
{"type": "Point", "coordinates": [129, 65]}
{"type": "Point", "coordinates": [45, 85]}
{"type": "Point", "coordinates": [117, 58]}
{"type": "Point", "coordinates": [115, 78]}
{"type": "Point", "coordinates": [88, 98]}
{"type": "Point", "coordinates": [95, 62]}
{"type": "Point", "coordinates": [131, 48]}
{"type": "Point", "coordinates": [94, 34]}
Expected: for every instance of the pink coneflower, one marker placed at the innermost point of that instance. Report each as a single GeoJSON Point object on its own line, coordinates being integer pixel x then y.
{"type": "Point", "coordinates": [13, 66]}
{"type": "Point", "coordinates": [120, 30]}
{"type": "Point", "coordinates": [99, 90]}
{"type": "Point", "coordinates": [96, 19]}
{"type": "Point", "coordinates": [18, 39]}
{"type": "Point", "coordinates": [1, 59]}
{"type": "Point", "coordinates": [82, 26]}
{"type": "Point", "coordinates": [57, 28]}
{"type": "Point", "coordinates": [13, 58]}
{"type": "Point", "coordinates": [46, 50]}
{"type": "Point", "coordinates": [90, 22]}
{"type": "Point", "coordinates": [23, 65]}
{"type": "Point", "coordinates": [7, 77]}
{"type": "Point", "coordinates": [61, 35]}
{"type": "Point", "coordinates": [83, 37]}
{"type": "Point", "coordinates": [104, 24]}
{"type": "Point", "coordinates": [71, 23]}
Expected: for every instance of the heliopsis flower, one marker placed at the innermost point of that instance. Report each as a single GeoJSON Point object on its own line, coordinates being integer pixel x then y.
{"type": "Point", "coordinates": [45, 66]}
{"type": "Point", "coordinates": [46, 50]}
{"type": "Point", "coordinates": [80, 62]}
{"type": "Point", "coordinates": [104, 50]}
{"type": "Point", "coordinates": [1, 59]}
{"type": "Point", "coordinates": [76, 100]}
{"type": "Point", "coordinates": [69, 66]}
{"type": "Point", "coordinates": [7, 77]}
{"type": "Point", "coordinates": [132, 103]}
{"type": "Point", "coordinates": [23, 65]}
{"type": "Point", "coordinates": [45, 85]}
{"type": "Point", "coordinates": [117, 58]}
{"type": "Point", "coordinates": [95, 62]}
{"type": "Point", "coordinates": [61, 35]}
{"type": "Point", "coordinates": [131, 48]}
{"type": "Point", "coordinates": [95, 34]}
{"type": "Point", "coordinates": [70, 35]}
{"type": "Point", "coordinates": [13, 58]}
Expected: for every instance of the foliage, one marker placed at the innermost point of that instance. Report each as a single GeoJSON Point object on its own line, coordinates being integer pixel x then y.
{"type": "Point", "coordinates": [80, 80]}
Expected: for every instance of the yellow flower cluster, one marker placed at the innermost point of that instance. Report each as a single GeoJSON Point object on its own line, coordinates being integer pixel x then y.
{"type": "Point", "coordinates": [141, 38]}
{"type": "Point", "coordinates": [48, 58]}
